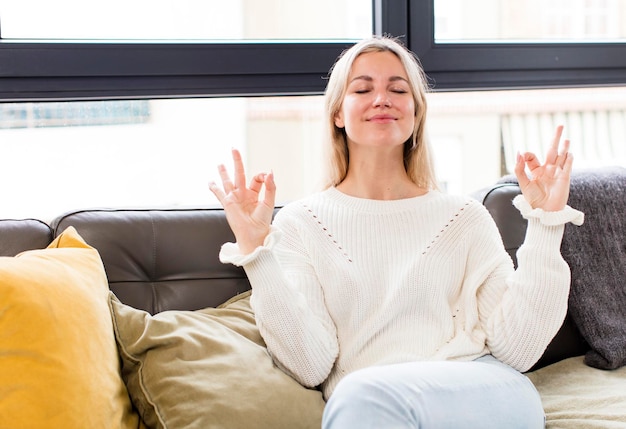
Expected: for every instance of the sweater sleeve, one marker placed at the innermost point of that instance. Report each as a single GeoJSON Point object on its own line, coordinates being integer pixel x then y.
{"type": "Point", "coordinates": [522, 310]}
{"type": "Point", "coordinates": [288, 303]}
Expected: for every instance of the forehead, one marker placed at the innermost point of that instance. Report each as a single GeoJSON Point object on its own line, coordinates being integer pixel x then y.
{"type": "Point", "coordinates": [377, 63]}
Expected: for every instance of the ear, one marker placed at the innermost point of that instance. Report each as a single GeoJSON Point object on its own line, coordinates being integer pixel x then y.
{"type": "Point", "coordinates": [339, 120]}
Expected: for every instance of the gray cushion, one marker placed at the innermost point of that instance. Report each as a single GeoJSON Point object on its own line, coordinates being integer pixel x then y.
{"type": "Point", "coordinates": [596, 253]}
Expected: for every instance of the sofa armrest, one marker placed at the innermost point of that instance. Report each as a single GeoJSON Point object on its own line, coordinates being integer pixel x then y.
{"type": "Point", "coordinates": [24, 234]}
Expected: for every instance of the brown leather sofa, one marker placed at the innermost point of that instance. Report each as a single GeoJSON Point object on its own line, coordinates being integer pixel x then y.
{"type": "Point", "coordinates": [167, 258]}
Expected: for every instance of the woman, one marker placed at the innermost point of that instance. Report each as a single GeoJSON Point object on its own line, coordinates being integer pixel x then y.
{"type": "Point", "coordinates": [399, 300]}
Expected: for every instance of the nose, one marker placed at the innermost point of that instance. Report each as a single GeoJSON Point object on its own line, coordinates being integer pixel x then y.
{"type": "Point", "coordinates": [382, 99]}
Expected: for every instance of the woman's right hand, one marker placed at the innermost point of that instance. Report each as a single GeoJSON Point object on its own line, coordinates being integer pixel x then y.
{"type": "Point", "coordinates": [248, 216]}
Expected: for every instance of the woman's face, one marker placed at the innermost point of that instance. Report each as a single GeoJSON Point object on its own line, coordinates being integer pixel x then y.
{"type": "Point", "coordinates": [378, 108]}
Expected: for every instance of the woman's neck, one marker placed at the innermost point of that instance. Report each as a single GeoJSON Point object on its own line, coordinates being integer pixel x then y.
{"type": "Point", "coordinates": [386, 190]}
{"type": "Point", "coordinates": [379, 179]}
{"type": "Point", "coordinates": [378, 173]}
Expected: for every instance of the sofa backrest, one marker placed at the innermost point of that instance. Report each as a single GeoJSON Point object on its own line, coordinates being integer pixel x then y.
{"type": "Point", "coordinates": [165, 259]}
{"type": "Point", "coordinates": [161, 259]}
{"type": "Point", "coordinates": [23, 234]}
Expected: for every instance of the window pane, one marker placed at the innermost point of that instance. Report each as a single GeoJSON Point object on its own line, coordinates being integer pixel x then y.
{"type": "Point", "coordinates": [146, 153]}
{"type": "Point", "coordinates": [68, 155]}
{"type": "Point", "coordinates": [476, 135]}
{"type": "Point", "coordinates": [186, 19]}
{"type": "Point", "coordinates": [530, 20]}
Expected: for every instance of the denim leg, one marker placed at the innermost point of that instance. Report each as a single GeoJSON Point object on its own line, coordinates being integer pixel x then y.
{"type": "Point", "coordinates": [481, 394]}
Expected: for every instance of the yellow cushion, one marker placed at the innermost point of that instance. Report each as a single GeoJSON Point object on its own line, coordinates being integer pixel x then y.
{"type": "Point", "coordinates": [58, 357]}
{"type": "Point", "coordinates": [208, 369]}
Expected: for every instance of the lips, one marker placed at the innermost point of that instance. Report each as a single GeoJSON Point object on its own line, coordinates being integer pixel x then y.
{"type": "Point", "coordinates": [382, 118]}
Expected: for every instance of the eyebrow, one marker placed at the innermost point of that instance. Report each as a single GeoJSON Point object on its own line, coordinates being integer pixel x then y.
{"type": "Point", "coordinates": [369, 78]}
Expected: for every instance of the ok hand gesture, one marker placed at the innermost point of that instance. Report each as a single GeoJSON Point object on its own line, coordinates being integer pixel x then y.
{"type": "Point", "coordinates": [548, 186]}
{"type": "Point", "coordinates": [248, 216]}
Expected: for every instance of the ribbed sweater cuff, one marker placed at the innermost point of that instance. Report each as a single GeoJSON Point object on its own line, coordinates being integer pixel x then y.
{"type": "Point", "coordinates": [231, 254]}
{"type": "Point", "coordinates": [561, 217]}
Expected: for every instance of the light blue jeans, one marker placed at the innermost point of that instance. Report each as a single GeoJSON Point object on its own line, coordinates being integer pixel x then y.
{"type": "Point", "coordinates": [481, 394]}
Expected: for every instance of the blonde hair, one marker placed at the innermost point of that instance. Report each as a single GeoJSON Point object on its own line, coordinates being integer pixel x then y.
{"type": "Point", "coordinates": [417, 154]}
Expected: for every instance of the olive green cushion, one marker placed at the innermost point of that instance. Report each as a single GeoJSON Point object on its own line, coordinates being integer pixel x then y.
{"type": "Point", "coordinates": [577, 396]}
{"type": "Point", "coordinates": [208, 369]}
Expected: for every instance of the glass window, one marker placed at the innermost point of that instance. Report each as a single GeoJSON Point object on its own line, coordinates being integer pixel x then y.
{"type": "Point", "coordinates": [497, 44]}
{"type": "Point", "coordinates": [63, 155]}
{"type": "Point", "coordinates": [186, 19]}
{"type": "Point", "coordinates": [530, 20]}
{"type": "Point", "coordinates": [477, 134]}
{"type": "Point", "coordinates": [164, 152]}
{"type": "Point", "coordinates": [165, 156]}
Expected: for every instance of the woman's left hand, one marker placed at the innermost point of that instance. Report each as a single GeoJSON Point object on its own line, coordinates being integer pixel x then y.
{"type": "Point", "coordinates": [548, 186]}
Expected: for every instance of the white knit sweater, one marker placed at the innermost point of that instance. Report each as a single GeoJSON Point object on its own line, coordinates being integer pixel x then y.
{"type": "Point", "coordinates": [343, 283]}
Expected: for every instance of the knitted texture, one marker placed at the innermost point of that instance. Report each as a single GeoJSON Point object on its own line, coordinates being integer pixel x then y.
{"type": "Point", "coordinates": [344, 283]}
{"type": "Point", "coordinates": [596, 253]}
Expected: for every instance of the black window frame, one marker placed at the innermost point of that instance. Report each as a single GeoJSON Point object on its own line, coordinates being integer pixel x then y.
{"type": "Point", "coordinates": [78, 71]}
{"type": "Point", "coordinates": [472, 66]}
{"type": "Point", "coordinates": [40, 71]}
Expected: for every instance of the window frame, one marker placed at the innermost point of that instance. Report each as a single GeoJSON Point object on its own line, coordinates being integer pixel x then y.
{"type": "Point", "coordinates": [470, 66]}
{"type": "Point", "coordinates": [40, 71]}
{"type": "Point", "coordinates": [78, 71]}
